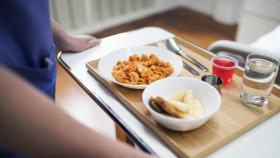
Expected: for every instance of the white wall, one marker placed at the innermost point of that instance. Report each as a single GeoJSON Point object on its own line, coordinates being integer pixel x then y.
{"type": "Point", "coordinates": [258, 17]}
{"type": "Point", "coordinates": [224, 11]}
{"type": "Point", "coordinates": [89, 16]}
{"type": "Point", "coordinates": [227, 11]}
{"type": "Point", "coordinates": [203, 6]}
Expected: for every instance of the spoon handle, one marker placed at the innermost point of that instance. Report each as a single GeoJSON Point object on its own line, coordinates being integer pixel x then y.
{"type": "Point", "coordinates": [190, 69]}
{"type": "Point", "coordinates": [195, 62]}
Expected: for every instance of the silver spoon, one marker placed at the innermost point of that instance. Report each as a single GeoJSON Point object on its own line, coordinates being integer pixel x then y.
{"type": "Point", "coordinates": [174, 47]}
{"type": "Point", "coordinates": [186, 66]}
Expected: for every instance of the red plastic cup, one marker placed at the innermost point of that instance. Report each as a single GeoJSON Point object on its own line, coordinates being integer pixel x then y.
{"type": "Point", "coordinates": [224, 66]}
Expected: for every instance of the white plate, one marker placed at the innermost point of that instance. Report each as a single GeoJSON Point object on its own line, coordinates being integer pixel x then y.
{"type": "Point", "coordinates": [106, 64]}
{"type": "Point", "coordinates": [208, 96]}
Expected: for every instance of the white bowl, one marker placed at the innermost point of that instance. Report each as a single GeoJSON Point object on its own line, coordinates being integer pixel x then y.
{"type": "Point", "coordinates": [106, 64]}
{"type": "Point", "coordinates": [208, 96]}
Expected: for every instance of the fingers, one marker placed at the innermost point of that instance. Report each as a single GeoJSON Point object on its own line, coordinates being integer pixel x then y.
{"type": "Point", "coordinates": [86, 38]}
{"type": "Point", "coordinates": [90, 41]}
{"type": "Point", "coordinates": [80, 43]}
{"type": "Point", "coordinates": [86, 44]}
{"type": "Point", "coordinates": [94, 42]}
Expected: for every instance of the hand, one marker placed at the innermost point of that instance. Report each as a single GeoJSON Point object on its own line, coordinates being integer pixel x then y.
{"type": "Point", "coordinates": [66, 42]}
{"type": "Point", "coordinates": [78, 43]}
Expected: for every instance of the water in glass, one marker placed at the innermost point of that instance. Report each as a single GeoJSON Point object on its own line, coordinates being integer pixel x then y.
{"type": "Point", "coordinates": [258, 80]}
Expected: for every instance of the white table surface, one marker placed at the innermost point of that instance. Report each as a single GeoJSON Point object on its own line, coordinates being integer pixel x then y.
{"type": "Point", "coordinates": [261, 141]}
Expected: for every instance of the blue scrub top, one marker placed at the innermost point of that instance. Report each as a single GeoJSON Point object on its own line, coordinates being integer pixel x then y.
{"type": "Point", "coordinates": [26, 45]}
{"type": "Point", "coordinates": [26, 42]}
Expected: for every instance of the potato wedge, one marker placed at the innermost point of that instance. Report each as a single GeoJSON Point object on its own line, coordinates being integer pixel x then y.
{"type": "Point", "coordinates": [198, 108]}
{"type": "Point", "coordinates": [188, 97]}
{"type": "Point", "coordinates": [179, 96]}
{"type": "Point", "coordinates": [179, 106]}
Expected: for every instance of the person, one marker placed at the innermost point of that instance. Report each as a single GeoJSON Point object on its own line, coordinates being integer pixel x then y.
{"type": "Point", "coordinates": [27, 48]}
{"type": "Point", "coordinates": [31, 124]}
{"type": "Point", "coordinates": [28, 34]}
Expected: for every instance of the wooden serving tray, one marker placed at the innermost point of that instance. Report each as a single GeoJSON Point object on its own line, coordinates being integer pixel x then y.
{"type": "Point", "coordinates": [232, 119]}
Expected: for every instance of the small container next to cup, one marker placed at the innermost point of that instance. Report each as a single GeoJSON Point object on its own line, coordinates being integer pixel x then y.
{"type": "Point", "coordinates": [258, 79]}
{"type": "Point", "coordinates": [224, 66]}
{"type": "Point", "coordinates": [213, 80]}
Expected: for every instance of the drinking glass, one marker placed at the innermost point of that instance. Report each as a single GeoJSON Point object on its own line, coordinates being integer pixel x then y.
{"type": "Point", "coordinates": [258, 79]}
{"type": "Point", "coordinates": [224, 66]}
